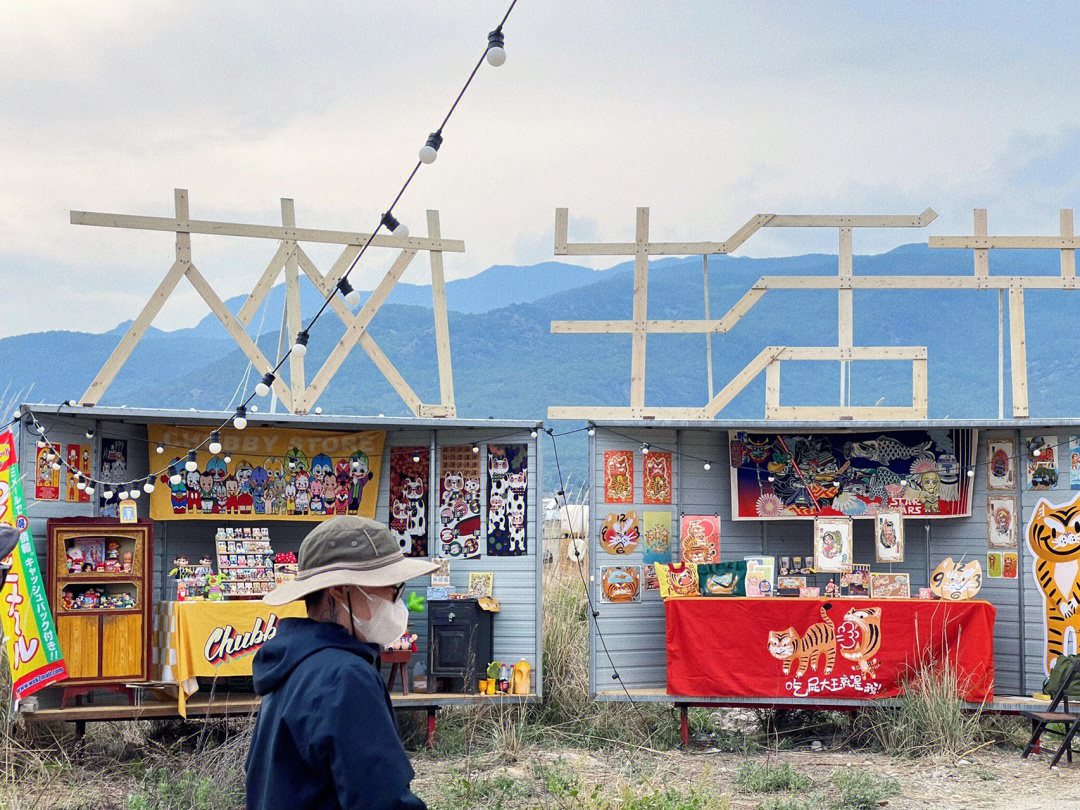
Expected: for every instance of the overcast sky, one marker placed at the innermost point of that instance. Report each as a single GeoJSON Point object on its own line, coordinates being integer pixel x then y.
{"type": "Point", "coordinates": [707, 112]}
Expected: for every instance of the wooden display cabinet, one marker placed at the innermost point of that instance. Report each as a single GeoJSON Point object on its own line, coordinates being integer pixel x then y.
{"type": "Point", "coordinates": [99, 586]}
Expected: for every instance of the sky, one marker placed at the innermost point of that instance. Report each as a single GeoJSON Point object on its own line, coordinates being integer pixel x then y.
{"type": "Point", "coordinates": [706, 112]}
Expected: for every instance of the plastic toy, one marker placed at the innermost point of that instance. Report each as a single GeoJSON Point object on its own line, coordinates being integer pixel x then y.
{"type": "Point", "coordinates": [213, 588]}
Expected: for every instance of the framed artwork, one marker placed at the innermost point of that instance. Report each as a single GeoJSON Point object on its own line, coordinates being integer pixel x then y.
{"type": "Point", "coordinates": [620, 533]}
{"type": "Point", "coordinates": [618, 476]}
{"type": "Point", "coordinates": [700, 536]}
{"type": "Point", "coordinates": [652, 582]}
{"type": "Point", "coordinates": [657, 537]}
{"type": "Point", "coordinates": [656, 485]}
{"type": "Point", "coordinates": [129, 513]}
{"type": "Point", "coordinates": [78, 460]}
{"type": "Point", "coordinates": [790, 586]}
{"type": "Point", "coordinates": [810, 593]}
{"type": "Point", "coordinates": [890, 586]}
{"type": "Point", "coordinates": [440, 577]}
{"type": "Point", "coordinates": [1041, 468]}
{"type": "Point", "coordinates": [832, 544]}
{"type": "Point", "coordinates": [507, 501]}
{"type": "Point", "coordinates": [1001, 464]}
{"type": "Point", "coordinates": [46, 479]}
{"type": "Point", "coordinates": [459, 499]}
{"type": "Point", "coordinates": [1074, 462]}
{"type": "Point", "coordinates": [620, 583]}
{"type": "Point", "coordinates": [759, 575]}
{"type": "Point", "coordinates": [408, 497]}
{"type": "Point", "coordinates": [889, 537]}
{"type": "Point", "coordinates": [993, 564]}
{"type": "Point", "coordinates": [481, 583]}
{"type": "Point", "coordinates": [1010, 564]}
{"type": "Point", "coordinates": [1001, 521]}
{"type": "Point", "coordinates": [855, 580]}
{"type": "Point", "coordinates": [112, 468]}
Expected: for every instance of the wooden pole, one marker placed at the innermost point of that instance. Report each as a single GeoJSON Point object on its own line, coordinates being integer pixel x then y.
{"type": "Point", "coordinates": [292, 303]}
{"type": "Point", "coordinates": [708, 335]}
{"type": "Point", "coordinates": [641, 310]}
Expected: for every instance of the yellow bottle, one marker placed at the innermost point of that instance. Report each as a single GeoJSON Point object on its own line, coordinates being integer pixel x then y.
{"type": "Point", "coordinates": [522, 682]}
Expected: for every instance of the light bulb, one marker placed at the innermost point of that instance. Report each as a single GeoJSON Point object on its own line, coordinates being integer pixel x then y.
{"type": "Point", "coordinates": [352, 297]}
{"type": "Point", "coordinates": [262, 388]}
{"type": "Point", "coordinates": [215, 443]}
{"type": "Point", "coordinates": [644, 449]}
{"type": "Point", "coordinates": [772, 478]}
{"type": "Point", "coordinates": [416, 459]}
{"type": "Point", "coordinates": [240, 420]}
{"type": "Point", "coordinates": [592, 431]}
{"type": "Point", "coordinates": [123, 495]}
{"type": "Point", "coordinates": [707, 466]}
{"type": "Point", "coordinates": [476, 448]}
{"type": "Point", "coordinates": [56, 464]}
{"type": "Point", "coordinates": [160, 449]}
{"type": "Point", "coordinates": [80, 484]}
{"type": "Point", "coordinates": [149, 485]}
{"type": "Point", "coordinates": [228, 459]}
{"type": "Point", "coordinates": [89, 487]}
{"type": "Point", "coordinates": [17, 415]}
{"type": "Point", "coordinates": [134, 493]}
{"type": "Point", "coordinates": [175, 478]}
{"type": "Point", "coordinates": [254, 408]}
{"type": "Point", "coordinates": [318, 410]}
{"type": "Point", "coordinates": [40, 443]}
{"type": "Point", "coordinates": [90, 433]}
{"type": "Point", "coordinates": [496, 53]}
{"type": "Point", "coordinates": [192, 463]}
{"type": "Point", "coordinates": [300, 347]}
{"type": "Point", "coordinates": [107, 493]}
{"type": "Point", "coordinates": [390, 222]}
{"type": "Point", "coordinates": [971, 473]}
{"type": "Point", "coordinates": [533, 433]}
{"type": "Point", "coordinates": [430, 150]}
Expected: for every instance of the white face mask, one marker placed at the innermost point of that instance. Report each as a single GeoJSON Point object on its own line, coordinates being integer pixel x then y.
{"type": "Point", "coordinates": [387, 624]}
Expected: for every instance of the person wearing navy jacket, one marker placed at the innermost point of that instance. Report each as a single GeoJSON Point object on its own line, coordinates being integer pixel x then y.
{"type": "Point", "coordinates": [325, 735]}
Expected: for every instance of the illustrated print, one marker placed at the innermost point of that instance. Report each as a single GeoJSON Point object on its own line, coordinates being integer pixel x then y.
{"type": "Point", "coordinates": [832, 544]}
{"type": "Point", "coordinates": [652, 582]}
{"type": "Point", "coordinates": [78, 460]}
{"type": "Point", "coordinates": [817, 644]}
{"type": "Point", "coordinates": [855, 580]}
{"type": "Point", "coordinates": [656, 482]}
{"type": "Point", "coordinates": [1074, 462]}
{"type": "Point", "coordinates": [1001, 521]}
{"type": "Point", "coordinates": [112, 468]}
{"type": "Point", "coordinates": [700, 539]}
{"type": "Point", "coordinates": [46, 479]}
{"type": "Point", "coordinates": [409, 468]}
{"type": "Point", "coordinates": [620, 583]}
{"type": "Point", "coordinates": [657, 527]}
{"type": "Point", "coordinates": [1053, 535]}
{"type": "Point", "coordinates": [859, 638]}
{"type": "Point", "coordinates": [722, 579]}
{"type": "Point", "coordinates": [620, 533]}
{"type": "Point", "coordinates": [954, 582]}
{"type": "Point", "coordinates": [993, 564]}
{"type": "Point", "coordinates": [618, 476]}
{"type": "Point", "coordinates": [508, 481]}
{"type": "Point", "coordinates": [1010, 564]}
{"type": "Point", "coordinates": [889, 537]}
{"type": "Point", "coordinates": [459, 509]}
{"type": "Point", "coordinates": [890, 586]}
{"type": "Point", "coordinates": [677, 580]}
{"type": "Point", "coordinates": [481, 583]}
{"type": "Point", "coordinates": [1001, 464]}
{"type": "Point", "coordinates": [1041, 466]}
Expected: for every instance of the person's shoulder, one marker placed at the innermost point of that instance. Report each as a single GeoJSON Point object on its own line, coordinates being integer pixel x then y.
{"type": "Point", "coordinates": [336, 664]}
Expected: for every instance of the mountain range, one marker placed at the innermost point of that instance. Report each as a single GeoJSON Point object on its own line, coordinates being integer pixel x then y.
{"type": "Point", "coordinates": [507, 364]}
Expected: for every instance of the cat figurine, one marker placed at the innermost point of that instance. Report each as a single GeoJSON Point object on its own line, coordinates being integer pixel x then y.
{"type": "Point", "coordinates": [1054, 539]}
{"type": "Point", "coordinates": [818, 639]}
{"type": "Point", "coordinates": [860, 638]}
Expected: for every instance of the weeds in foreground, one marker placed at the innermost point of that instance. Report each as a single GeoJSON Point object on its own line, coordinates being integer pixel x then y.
{"type": "Point", "coordinates": [789, 803]}
{"type": "Point", "coordinates": [860, 790]}
{"type": "Point", "coordinates": [762, 777]}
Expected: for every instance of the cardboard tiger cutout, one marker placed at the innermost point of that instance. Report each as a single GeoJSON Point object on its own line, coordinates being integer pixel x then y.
{"type": "Point", "coordinates": [1053, 535]}
{"type": "Point", "coordinates": [818, 640]}
{"type": "Point", "coordinates": [860, 638]}
{"type": "Point", "coordinates": [953, 582]}
{"type": "Point", "coordinates": [620, 583]}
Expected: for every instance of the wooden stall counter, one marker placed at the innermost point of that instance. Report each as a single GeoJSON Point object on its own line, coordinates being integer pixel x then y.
{"type": "Point", "coordinates": [823, 648]}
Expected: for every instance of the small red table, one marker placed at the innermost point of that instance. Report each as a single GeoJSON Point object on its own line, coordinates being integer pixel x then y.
{"type": "Point", "coordinates": [720, 646]}
{"type": "Point", "coordinates": [400, 661]}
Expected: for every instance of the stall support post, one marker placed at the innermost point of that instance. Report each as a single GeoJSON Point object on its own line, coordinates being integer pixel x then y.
{"type": "Point", "coordinates": [684, 724]}
{"type": "Point", "coordinates": [431, 726]}
{"type": "Point", "coordinates": [80, 730]}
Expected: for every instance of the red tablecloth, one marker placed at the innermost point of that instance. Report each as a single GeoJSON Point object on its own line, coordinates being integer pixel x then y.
{"type": "Point", "coordinates": [720, 647]}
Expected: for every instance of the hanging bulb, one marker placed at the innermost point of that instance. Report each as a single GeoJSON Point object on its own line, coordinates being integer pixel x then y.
{"type": "Point", "coordinates": [149, 485]}
{"type": "Point", "coordinates": [89, 433]}
{"type": "Point", "coordinates": [707, 466]}
{"type": "Point", "coordinates": [56, 463]}
{"type": "Point", "coordinates": [80, 484]}
{"type": "Point", "coordinates": [228, 459]}
{"type": "Point", "coordinates": [254, 408]}
{"type": "Point", "coordinates": [533, 433]}
{"type": "Point", "coordinates": [17, 415]}
{"type": "Point", "coordinates": [352, 297]}
{"type": "Point", "coordinates": [123, 495]}
{"type": "Point", "coordinates": [215, 443]}
{"type": "Point", "coordinates": [592, 431]}
{"type": "Point", "coordinates": [390, 222]}
{"type": "Point", "coordinates": [89, 487]}
{"type": "Point", "coordinates": [175, 478]}
{"type": "Point", "coordinates": [476, 448]}
{"type": "Point", "coordinates": [262, 387]}
{"type": "Point", "coordinates": [772, 478]}
{"type": "Point", "coordinates": [430, 150]}
{"type": "Point", "coordinates": [644, 449]}
{"type": "Point", "coordinates": [134, 493]}
{"type": "Point", "coordinates": [240, 420]}
{"type": "Point", "coordinates": [192, 463]}
{"type": "Point", "coordinates": [159, 449]}
{"type": "Point", "coordinates": [318, 411]}
{"type": "Point", "coordinates": [40, 443]}
{"type": "Point", "coordinates": [300, 347]}
{"type": "Point", "coordinates": [971, 472]}
{"type": "Point", "coordinates": [496, 52]}
{"type": "Point", "coordinates": [107, 493]}
{"type": "Point", "coordinates": [416, 459]}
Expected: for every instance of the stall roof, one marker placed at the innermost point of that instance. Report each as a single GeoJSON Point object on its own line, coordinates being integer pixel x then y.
{"type": "Point", "coordinates": [770, 425]}
{"type": "Point", "coordinates": [142, 416]}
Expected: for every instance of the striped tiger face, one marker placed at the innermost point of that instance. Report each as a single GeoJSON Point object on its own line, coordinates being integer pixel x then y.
{"type": "Point", "coordinates": [782, 643]}
{"type": "Point", "coordinates": [857, 631]}
{"type": "Point", "coordinates": [1054, 531]}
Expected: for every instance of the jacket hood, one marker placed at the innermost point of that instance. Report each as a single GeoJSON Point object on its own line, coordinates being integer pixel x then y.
{"type": "Point", "coordinates": [296, 640]}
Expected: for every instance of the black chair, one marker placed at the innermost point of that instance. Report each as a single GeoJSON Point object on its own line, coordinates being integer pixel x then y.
{"type": "Point", "coordinates": [1070, 720]}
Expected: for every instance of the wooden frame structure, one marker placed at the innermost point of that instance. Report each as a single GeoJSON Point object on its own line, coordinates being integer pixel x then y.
{"type": "Point", "coordinates": [298, 397]}
{"type": "Point", "coordinates": [845, 282]}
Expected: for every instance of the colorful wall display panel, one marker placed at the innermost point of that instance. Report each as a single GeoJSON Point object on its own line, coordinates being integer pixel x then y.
{"type": "Point", "coordinates": [618, 476]}
{"type": "Point", "coordinates": [620, 533]}
{"type": "Point", "coordinates": [507, 485]}
{"type": "Point", "coordinates": [700, 539]}
{"type": "Point", "coordinates": [889, 537]}
{"type": "Point", "coordinates": [78, 461]}
{"type": "Point", "coordinates": [113, 469]}
{"type": "Point", "coordinates": [657, 547]}
{"type": "Point", "coordinates": [1074, 462]}
{"type": "Point", "coordinates": [832, 544]}
{"type": "Point", "coordinates": [890, 586]}
{"type": "Point", "coordinates": [409, 473]}
{"type": "Point", "coordinates": [1001, 521]}
{"type": "Point", "coordinates": [284, 473]}
{"type": "Point", "coordinates": [656, 484]}
{"type": "Point", "coordinates": [920, 473]}
{"type": "Point", "coordinates": [459, 503]}
{"type": "Point", "coordinates": [1001, 464]}
{"type": "Point", "coordinates": [1041, 467]}
{"type": "Point", "coordinates": [46, 479]}
{"type": "Point", "coordinates": [620, 583]}
{"type": "Point", "coordinates": [1056, 575]}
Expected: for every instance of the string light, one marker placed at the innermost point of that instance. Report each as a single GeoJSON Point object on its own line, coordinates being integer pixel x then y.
{"type": "Point", "coordinates": [56, 462]}
{"type": "Point", "coordinates": [40, 443]}
{"type": "Point", "coordinates": [390, 222]}
{"type": "Point", "coordinates": [971, 472]}
{"type": "Point", "coordinates": [89, 487]}
{"type": "Point", "coordinates": [262, 387]}
{"type": "Point", "coordinates": [123, 495]}
{"type": "Point", "coordinates": [149, 485]}
{"type": "Point", "coordinates": [592, 431]}
{"type": "Point", "coordinates": [352, 297]}
{"type": "Point", "coordinates": [533, 433]}
{"type": "Point", "coordinates": [175, 478]}
{"type": "Point", "coordinates": [644, 449]}
{"type": "Point", "coordinates": [707, 466]}
{"type": "Point", "coordinates": [215, 442]}
{"type": "Point", "coordinates": [430, 150]}
{"type": "Point", "coordinates": [476, 448]}
{"type": "Point", "coordinates": [496, 52]}
{"type": "Point", "coordinates": [318, 410]}
{"type": "Point", "coordinates": [772, 478]}
{"type": "Point", "coordinates": [80, 483]}
{"type": "Point", "coordinates": [300, 346]}
{"type": "Point", "coordinates": [192, 463]}
{"type": "Point", "coordinates": [240, 420]}
{"type": "Point", "coordinates": [228, 459]}
{"type": "Point", "coordinates": [107, 493]}
{"type": "Point", "coordinates": [89, 433]}
{"type": "Point", "coordinates": [134, 493]}
{"type": "Point", "coordinates": [416, 459]}
{"type": "Point", "coordinates": [160, 449]}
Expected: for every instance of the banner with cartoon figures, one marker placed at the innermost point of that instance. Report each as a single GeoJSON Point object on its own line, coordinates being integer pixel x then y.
{"type": "Point", "coordinates": [33, 650]}
{"type": "Point", "coordinates": [919, 473]}
{"type": "Point", "coordinates": [266, 472]}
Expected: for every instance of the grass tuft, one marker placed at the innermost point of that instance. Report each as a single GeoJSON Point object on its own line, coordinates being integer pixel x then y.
{"type": "Point", "coordinates": [860, 790]}
{"type": "Point", "coordinates": [761, 777]}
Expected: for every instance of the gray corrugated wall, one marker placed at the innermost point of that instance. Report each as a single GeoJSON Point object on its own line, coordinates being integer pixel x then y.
{"type": "Point", "coordinates": [635, 632]}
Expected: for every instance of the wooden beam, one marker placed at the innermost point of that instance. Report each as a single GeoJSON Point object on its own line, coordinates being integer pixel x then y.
{"type": "Point", "coordinates": [183, 235]}
{"type": "Point", "coordinates": [982, 255]}
{"type": "Point", "coordinates": [1006, 242]}
{"type": "Point", "coordinates": [853, 353]}
{"type": "Point", "coordinates": [1068, 256]}
{"type": "Point", "coordinates": [641, 310]}
{"type": "Point", "coordinates": [262, 231]}
{"type": "Point", "coordinates": [1018, 353]}
{"type": "Point", "coordinates": [845, 304]}
{"type": "Point", "coordinates": [746, 231]}
{"type": "Point", "coordinates": [916, 282]}
{"type": "Point", "coordinates": [852, 221]}
{"type": "Point", "coordinates": [562, 248]}
{"type": "Point", "coordinates": [740, 381]}
{"type": "Point", "coordinates": [292, 303]}
{"type": "Point", "coordinates": [561, 217]}
{"type": "Point", "coordinates": [708, 335]}
{"type": "Point", "coordinates": [772, 383]}
{"type": "Point", "coordinates": [797, 413]}
{"type": "Point", "coordinates": [627, 327]}
{"type": "Point", "coordinates": [579, 412]}
{"type": "Point", "coordinates": [919, 392]}
{"type": "Point", "coordinates": [442, 323]}
{"type": "Point", "coordinates": [234, 328]}
{"type": "Point", "coordinates": [265, 282]}
{"type": "Point", "coordinates": [344, 261]}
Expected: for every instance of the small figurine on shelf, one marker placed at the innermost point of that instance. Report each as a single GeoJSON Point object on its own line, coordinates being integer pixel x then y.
{"type": "Point", "coordinates": [112, 557]}
{"type": "Point", "coordinates": [831, 590]}
{"type": "Point", "coordinates": [213, 587]}
{"type": "Point", "coordinates": [67, 600]}
{"type": "Point", "coordinates": [125, 565]}
{"type": "Point", "coordinates": [181, 591]}
{"type": "Point", "coordinates": [493, 677]}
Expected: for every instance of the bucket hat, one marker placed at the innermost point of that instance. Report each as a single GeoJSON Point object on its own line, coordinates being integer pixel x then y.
{"type": "Point", "coordinates": [348, 550]}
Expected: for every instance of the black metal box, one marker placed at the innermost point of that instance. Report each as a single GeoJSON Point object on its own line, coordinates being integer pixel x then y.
{"type": "Point", "coordinates": [460, 644]}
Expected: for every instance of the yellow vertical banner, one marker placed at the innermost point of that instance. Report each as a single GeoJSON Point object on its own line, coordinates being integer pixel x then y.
{"type": "Point", "coordinates": [265, 473]}
{"type": "Point", "coordinates": [33, 650]}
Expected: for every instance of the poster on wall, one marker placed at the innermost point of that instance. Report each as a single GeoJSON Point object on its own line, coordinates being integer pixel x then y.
{"type": "Point", "coordinates": [657, 537]}
{"type": "Point", "coordinates": [46, 479]}
{"type": "Point", "coordinates": [656, 483]}
{"type": "Point", "coordinates": [700, 539]}
{"type": "Point", "coordinates": [1056, 575]}
{"type": "Point", "coordinates": [113, 469]}
{"type": "Point", "coordinates": [78, 461]}
{"type": "Point", "coordinates": [620, 583]}
{"type": "Point", "coordinates": [1001, 521]}
{"type": "Point", "coordinates": [920, 473]}
{"type": "Point", "coordinates": [888, 537]}
{"type": "Point", "coordinates": [832, 544]}
{"type": "Point", "coordinates": [993, 564]}
{"type": "Point", "coordinates": [618, 476]}
{"type": "Point", "coordinates": [409, 467]}
{"type": "Point", "coordinates": [507, 485]}
{"type": "Point", "coordinates": [459, 503]}
{"type": "Point", "coordinates": [1074, 462]}
{"type": "Point", "coordinates": [620, 533]}
{"type": "Point", "coordinates": [281, 472]}
{"type": "Point", "coordinates": [34, 657]}
{"type": "Point", "coordinates": [1040, 467]}
{"type": "Point", "coordinates": [1001, 464]}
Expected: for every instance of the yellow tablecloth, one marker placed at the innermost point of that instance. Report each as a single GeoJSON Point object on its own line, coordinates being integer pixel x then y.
{"type": "Point", "coordinates": [210, 639]}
